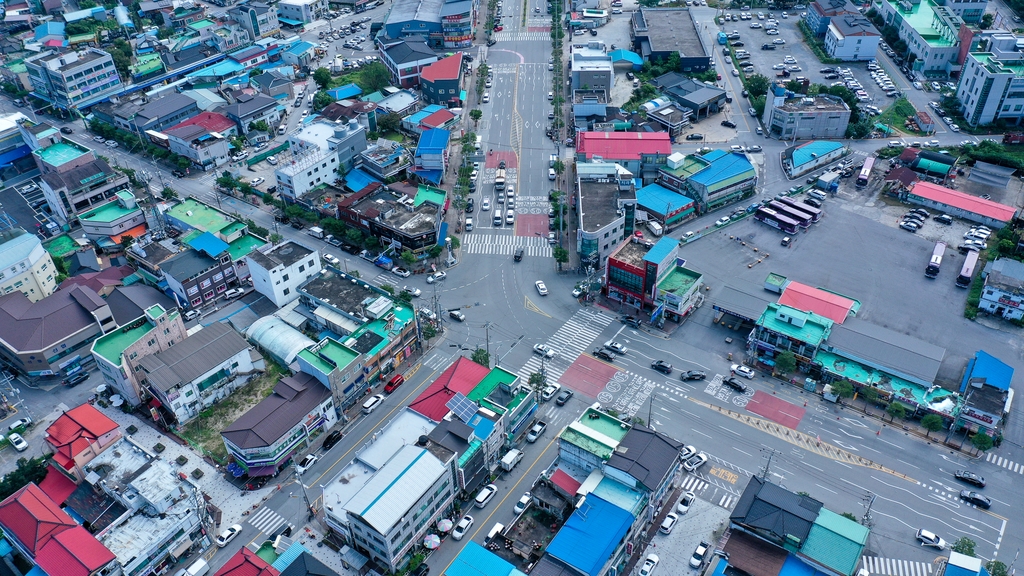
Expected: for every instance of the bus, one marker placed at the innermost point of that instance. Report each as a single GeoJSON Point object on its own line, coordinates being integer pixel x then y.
{"type": "Point", "coordinates": [865, 172]}
{"type": "Point", "coordinates": [815, 213]}
{"type": "Point", "coordinates": [967, 272]}
{"type": "Point", "coordinates": [499, 179]}
{"type": "Point", "coordinates": [802, 219]}
{"type": "Point", "coordinates": [936, 260]}
{"type": "Point", "coordinates": [776, 220]}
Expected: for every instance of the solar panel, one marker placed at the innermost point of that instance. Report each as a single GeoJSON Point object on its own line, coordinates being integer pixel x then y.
{"type": "Point", "coordinates": [463, 407]}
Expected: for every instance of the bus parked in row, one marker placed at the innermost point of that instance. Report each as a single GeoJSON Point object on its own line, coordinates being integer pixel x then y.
{"type": "Point", "coordinates": [936, 260]}
{"type": "Point", "coordinates": [967, 272]}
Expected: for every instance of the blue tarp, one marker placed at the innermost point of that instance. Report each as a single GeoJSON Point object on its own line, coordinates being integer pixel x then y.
{"type": "Point", "coordinates": [207, 242]}
{"type": "Point", "coordinates": [591, 534]}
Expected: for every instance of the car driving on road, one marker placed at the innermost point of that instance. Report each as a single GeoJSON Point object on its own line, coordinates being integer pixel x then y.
{"type": "Point", "coordinates": [662, 366]}
{"type": "Point", "coordinates": [544, 350]}
{"type": "Point", "coordinates": [975, 498]}
{"type": "Point", "coordinates": [693, 375]}
{"type": "Point", "coordinates": [970, 478]}
{"type": "Point", "coordinates": [742, 370]}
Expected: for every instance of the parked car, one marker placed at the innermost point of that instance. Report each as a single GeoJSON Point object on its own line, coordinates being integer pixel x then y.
{"type": "Point", "coordinates": [563, 397]}
{"type": "Point", "coordinates": [685, 502]}
{"type": "Point", "coordinates": [19, 424]}
{"type": "Point", "coordinates": [650, 563]}
{"type": "Point", "coordinates": [17, 441]}
{"type": "Point", "coordinates": [332, 439]}
{"type": "Point", "coordinates": [462, 527]}
{"type": "Point", "coordinates": [234, 293]}
{"type": "Point", "coordinates": [742, 370]}
{"type": "Point", "coordinates": [694, 462]}
{"type": "Point", "coordinates": [698, 555]}
{"type": "Point", "coordinates": [401, 272]}
{"type": "Point", "coordinates": [668, 523]}
{"type": "Point", "coordinates": [523, 502]}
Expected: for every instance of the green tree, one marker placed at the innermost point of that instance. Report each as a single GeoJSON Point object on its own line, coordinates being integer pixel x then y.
{"type": "Point", "coordinates": [981, 441]}
{"type": "Point", "coordinates": [389, 122]}
{"type": "Point", "coordinates": [896, 410]}
{"type": "Point", "coordinates": [388, 288]}
{"type": "Point", "coordinates": [168, 194]}
{"type": "Point", "coordinates": [374, 77]}
{"type": "Point", "coordinates": [537, 381]}
{"type": "Point", "coordinates": [561, 255]}
{"type": "Point", "coordinates": [435, 251]}
{"type": "Point", "coordinates": [28, 471]}
{"type": "Point", "coordinates": [322, 77]}
{"type": "Point", "coordinates": [408, 257]}
{"type": "Point", "coordinates": [995, 567]}
{"type": "Point", "coordinates": [758, 84]}
{"type": "Point", "coordinates": [126, 241]}
{"type": "Point", "coordinates": [259, 126]}
{"type": "Point", "coordinates": [869, 394]}
{"type": "Point", "coordinates": [475, 115]}
{"type": "Point", "coordinates": [354, 236]}
{"type": "Point", "coordinates": [558, 167]}
{"type": "Point", "coordinates": [849, 516]}
{"type": "Point", "coordinates": [182, 162]}
{"type": "Point", "coordinates": [785, 362]}
{"type": "Point", "coordinates": [758, 104]}
{"type": "Point", "coordinates": [428, 331]}
{"type": "Point", "coordinates": [931, 423]}
{"type": "Point", "coordinates": [455, 242]}
{"type": "Point", "coordinates": [964, 545]}
{"type": "Point", "coordinates": [322, 100]}
{"type": "Point", "coordinates": [986, 22]}
{"type": "Point", "coordinates": [843, 389]}
{"type": "Point", "coordinates": [275, 238]}
{"type": "Point", "coordinates": [481, 357]}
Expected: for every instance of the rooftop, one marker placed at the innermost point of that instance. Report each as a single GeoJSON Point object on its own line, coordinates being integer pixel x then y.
{"type": "Point", "coordinates": [284, 254]}
{"type": "Point", "coordinates": [599, 204]}
{"type": "Point", "coordinates": [330, 356]}
{"type": "Point", "coordinates": [595, 432]}
{"type": "Point", "coordinates": [829, 304]}
{"type": "Point", "coordinates": [646, 455]}
{"type": "Point", "coordinates": [623, 145]}
{"type": "Point", "coordinates": [724, 169]}
{"type": "Point", "coordinates": [396, 487]}
{"type": "Point", "coordinates": [264, 424]}
{"type": "Point", "coordinates": [61, 153]}
{"type": "Point", "coordinates": [679, 280]}
{"type": "Point", "coordinates": [775, 511]}
{"type": "Point", "coordinates": [813, 149]}
{"type": "Point", "coordinates": [588, 538]}
{"type": "Point", "coordinates": [445, 69]}
{"type": "Point", "coordinates": [462, 376]}
{"type": "Point", "coordinates": [199, 353]}
{"type": "Point", "coordinates": [200, 216]}
{"type": "Point", "coordinates": [111, 345]}
{"type": "Point", "coordinates": [967, 202]}
{"type": "Point", "coordinates": [821, 103]}
{"type": "Point", "coordinates": [632, 253]}
{"type": "Point", "coordinates": [109, 212]}
{"type": "Point", "coordinates": [922, 17]}
{"type": "Point", "coordinates": [805, 326]}
{"type": "Point", "coordinates": [670, 29]}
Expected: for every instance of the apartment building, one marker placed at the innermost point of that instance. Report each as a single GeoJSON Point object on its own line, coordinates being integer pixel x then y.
{"type": "Point", "coordinates": [805, 118]}
{"type": "Point", "coordinates": [277, 271]}
{"type": "Point", "coordinates": [934, 34]}
{"type": "Point", "coordinates": [992, 88]}
{"type": "Point", "coordinates": [318, 151]}
{"type": "Point", "coordinates": [258, 19]}
{"type": "Point", "coordinates": [25, 266]}
{"type": "Point", "coordinates": [73, 80]}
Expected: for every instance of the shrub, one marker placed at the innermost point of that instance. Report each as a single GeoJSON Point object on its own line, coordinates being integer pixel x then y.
{"type": "Point", "coordinates": [159, 448]}
{"type": "Point", "coordinates": [181, 460]}
{"type": "Point", "coordinates": [197, 473]}
{"type": "Point", "coordinates": [131, 429]}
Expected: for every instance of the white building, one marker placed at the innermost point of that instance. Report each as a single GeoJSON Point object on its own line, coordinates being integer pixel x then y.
{"type": "Point", "coordinates": [277, 271]}
{"type": "Point", "coordinates": [1003, 294]}
{"type": "Point", "coordinates": [318, 150]}
{"type": "Point", "coordinates": [851, 38]}
{"type": "Point", "coordinates": [207, 150]}
{"type": "Point", "coordinates": [25, 266]}
{"type": "Point", "coordinates": [606, 198]}
{"type": "Point", "coordinates": [73, 80]}
{"type": "Point", "coordinates": [300, 11]}
{"type": "Point", "coordinates": [992, 89]}
{"type": "Point", "coordinates": [931, 31]}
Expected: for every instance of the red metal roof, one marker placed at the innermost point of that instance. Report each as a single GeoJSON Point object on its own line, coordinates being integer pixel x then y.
{"type": "Point", "coordinates": [246, 563]}
{"type": "Point", "coordinates": [74, 552]}
{"type": "Point", "coordinates": [809, 299]}
{"type": "Point", "coordinates": [943, 195]}
{"type": "Point", "coordinates": [75, 430]}
{"type": "Point", "coordinates": [444, 69]}
{"type": "Point", "coordinates": [623, 145]}
{"type": "Point", "coordinates": [33, 518]}
{"type": "Point", "coordinates": [437, 119]}
{"type": "Point", "coordinates": [567, 483]}
{"type": "Point", "coordinates": [57, 486]}
{"type": "Point", "coordinates": [209, 120]}
{"type": "Point", "coordinates": [462, 376]}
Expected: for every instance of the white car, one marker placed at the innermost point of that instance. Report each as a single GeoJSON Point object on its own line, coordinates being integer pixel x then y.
{"type": "Point", "coordinates": [685, 502]}
{"type": "Point", "coordinates": [234, 293]}
{"type": "Point", "coordinates": [550, 392]}
{"type": "Point", "coordinates": [474, 174]}
{"type": "Point", "coordinates": [649, 565]}
{"type": "Point", "coordinates": [695, 462]}
{"type": "Point", "coordinates": [332, 260]}
{"type": "Point", "coordinates": [698, 555]}
{"type": "Point", "coordinates": [930, 539]}
{"type": "Point", "coordinates": [306, 464]}
{"type": "Point", "coordinates": [544, 350]}
{"type": "Point", "coordinates": [541, 288]}
{"type": "Point", "coordinates": [228, 535]}
{"type": "Point", "coordinates": [462, 527]}
{"type": "Point", "coordinates": [485, 206]}
{"type": "Point", "coordinates": [616, 347]}
{"type": "Point", "coordinates": [742, 370]}
{"type": "Point", "coordinates": [436, 277]}
{"type": "Point", "coordinates": [17, 441]}
{"type": "Point", "coordinates": [721, 221]}
{"type": "Point", "coordinates": [668, 523]}
{"type": "Point", "coordinates": [778, 66]}
{"type": "Point", "coordinates": [111, 143]}
{"type": "Point", "coordinates": [401, 272]}
{"type": "Point", "coordinates": [414, 292]}
{"type": "Point", "coordinates": [258, 181]}
{"type": "Point", "coordinates": [20, 423]}
{"type": "Point", "coordinates": [523, 503]}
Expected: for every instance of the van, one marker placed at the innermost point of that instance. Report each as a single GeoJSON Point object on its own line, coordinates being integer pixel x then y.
{"type": "Point", "coordinates": [281, 129]}
{"type": "Point", "coordinates": [485, 495]}
{"type": "Point", "coordinates": [551, 160]}
{"type": "Point", "coordinates": [372, 404]}
{"type": "Point", "coordinates": [469, 224]}
{"type": "Point", "coordinates": [551, 174]}
{"type": "Point", "coordinates": [394, 383]}
{"type": "Point", "coordinates": [494, 532]}
{"type": "Point", "coordinates": [509, 461]}
{"type": "Point", "coordinates": [816, 194]}
{"type": "Point", "coordinates": [655, 228]}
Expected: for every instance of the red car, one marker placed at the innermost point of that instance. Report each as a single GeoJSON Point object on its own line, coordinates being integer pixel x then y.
{"type": "Point", "coordinates": [499, 28]}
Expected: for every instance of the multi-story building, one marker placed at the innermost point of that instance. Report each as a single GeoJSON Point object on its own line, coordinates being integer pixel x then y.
{"type": "Point", "coordinates": [935, 34]}
{"type": "Point", "coordinates": [108, 223]}
{"type": "Point", "coordinates": [73, 80]}
{"type": "Point", "coordinates": [410, 223]}
{"type": "Point", "coordinates": [657, 33]}
{"type": "Point", "coordinates": [77, 436]}
{"type": "Point", "coordinates": [74, 180]}
{"type": "Point", "coordinates": [712, 178]}
{"type": "Point", "coordinates": [319, 150]}
{"type": "Point", "coordinates": [430, 162]}
{"type": "Point", "coordinates": [652, 277]}
{"type": "Point", "coordinates": [278, 270]}
{"type": "Point", "coordinates": [198, 276]}
{"type": "Point", "coordinates": [821, 12]}
{"type": "Point", "coordinates": [641, 153]}
{"type": "Point", "coordinates": [441, 82]}
{"type": "Point", "coordinates": [457, 23]}
{"type": "Point", "coordinates": [405, 59]}
{"type": "Point", "coordinates": [606, 205]}
{"type": "Point", "coordinates": [299, 12]}
{"type": "Point", "coordinates": [385, 159]}
{"type": "Point", "coordinates": [154, 115]}
{"type": "Point", "coordinates": [591, 68]}
{"type": "Point", "coordinates": [788, 116]}
{"type": "Point", "coordinates": [249, 109]}
{"type": "Point", "coordinates": [851, 37]}
{"type": "Point", "coordinates": [992, 88]}
{"type": "Point", "coordinates": [207, 150]}
{"type": "Point", "coordinates": [118, 354]}
{"type": "Point", "coordinates": [1003, 294]}
{"type": "Point", "coordinates": [337, 367]}
{"type": "Point", "coordinates": [258, 19]}
{"type": "Point", "coordinates": [25, 265]}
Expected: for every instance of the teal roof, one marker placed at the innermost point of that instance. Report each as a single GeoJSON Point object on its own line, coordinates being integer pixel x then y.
{"type": "Point", "coordinates": [661, 250]}
{"type": "Point", "coordinates": [222, 69]}
{"type": "Point", "coordinates": [814, 331]}
{"type": "Point", "coordinates": [726, 169]}
{"type": "Point", "coordinates": [836, 542]}
{"type": "Point", "coordinates": [662, 200]}
{"type": "Point", "coordinates": [626, 56]}
{"type": "Point", "coordinates": [813, 149]}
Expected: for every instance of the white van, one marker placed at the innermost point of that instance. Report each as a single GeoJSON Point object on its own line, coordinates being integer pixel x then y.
{"type": "Point", "coordinates": [372, 404]}
{"type": "Point", "coordinates": [485, 495]}
{"type": "Point", "coordinates": [469, 224]}
{"type": "Point", "coordinates": [551, 174]}
{"type": "Point", "coordinates": [494, 532]}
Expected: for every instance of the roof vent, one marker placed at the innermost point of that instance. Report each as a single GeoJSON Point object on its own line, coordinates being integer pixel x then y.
{"type": "Point", "coordinates": [422, 440]}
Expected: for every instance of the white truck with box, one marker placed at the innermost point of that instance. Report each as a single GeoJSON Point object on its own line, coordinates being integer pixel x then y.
{"type": "Point", "coordinates": [551, 160]}
{"type": "Point", "coordinates": [316, 232]}
{"type": "Point", "coordinates": [511, 458]}
{"type": "Point", "coordinates": [655, 228]}
{"type": "Point", "coordinates": [198, 568]}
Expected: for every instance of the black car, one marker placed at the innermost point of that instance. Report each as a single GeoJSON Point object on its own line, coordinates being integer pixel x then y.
{"type": "Point", "coordinates": [694, 136]}
{"type": "Point", "coordinates": [737, 43]}
{"type": "Point", "coordinates": [745, 93]}
{"type": "Point", "coordinates": [75, 379]}
{"type": "Point", "coordinates": [692, 375]}
{"type": "Point", "coordinates": [944, 219]}
{"type": "Point", "coordinates": [332, 439]}
{"type": "Point", "coordinates": [662, 366]}
{"type": "Point", "coordinates": [470, 205]}
{"type": "Point", "coordinates": [978, 500]}
{"type": "Point", "coordinates": [970, 478]}
{"type": "Point", "coordinates": [814, 202]}
{"type": "Point", "coordinates": [492, 42]}
{"type": "Point", "coordinates": [501, 164]}
{"type": "Point", "coordinates": [735, 384]}
{"type": "Point", "coordinates": [66, 130]}
{"type": "Point", "coordinates": [350, 249]}
{"type": "Point", "coordinates": [593, 32]}
{"type": "Point", "coordinates": [421, 570]}
{"type": "Point", "coordinates": [632, 321]}
{"type": "Point", "coordinates": [297, 225]}
{"type": "Point", "coordinates": [563, 397]}
{"type": "Point", "coordinates": [604, 355]}
{"type": "Point", "coordinates": [728, 123]}
{"type": "Point", "coordinates": [767, 46]}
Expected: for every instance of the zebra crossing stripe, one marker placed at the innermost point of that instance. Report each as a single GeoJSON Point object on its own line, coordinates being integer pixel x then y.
{"type": "Point", "coordinates": [266, 520]}
{"type": "Point", "coordinates": [895, 567]}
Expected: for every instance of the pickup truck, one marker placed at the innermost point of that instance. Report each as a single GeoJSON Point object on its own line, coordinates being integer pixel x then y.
{"type": "Point", "coordinates": [536, 431]}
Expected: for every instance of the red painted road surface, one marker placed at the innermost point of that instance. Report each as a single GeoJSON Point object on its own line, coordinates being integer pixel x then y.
{"type": "Point", "coordinates": [588, 375]}
{"type": "Point", "coordinates": [776, 409]}
{"type": "Point", "coordinates": [532, 225]}
{"type": "Point", "coordinates": [510, 158]}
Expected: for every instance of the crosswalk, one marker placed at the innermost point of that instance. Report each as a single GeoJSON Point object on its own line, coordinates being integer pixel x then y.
{"type": "Point", "coordinates": [894, 567]}
{"type": "Point", "coordinates": [1004, 463]}
{"type": "Point", "coordinates": [569, 342]}
{"type": "Point", "coordinates": [504, 244]}
{"type": "Point", "coordinates": [267, 521]}
{"type": "Point", "coordinates": [697, 485]}
{"type": "Point", "coordinates": [521, 36]}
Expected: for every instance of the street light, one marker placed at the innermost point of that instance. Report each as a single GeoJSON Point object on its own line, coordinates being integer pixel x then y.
{"type": "Point", "coordinates": [298, 475]}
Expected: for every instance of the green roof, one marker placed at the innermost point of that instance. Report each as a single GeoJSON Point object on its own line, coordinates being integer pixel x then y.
{"type": "Point", "coordinates": [496, 377]}
{"type": "Point", "coordinates": [316, 361]}
{"type": "Point", "coordinates": [333, 356]}
{"type": "Point", "coordinates": [690, 166]}
{"type": "Point", "coordinates": [403, 315]}
{"type": "Point", "coordinates": [200, 216]}
{"type": "Point", "coordinates": [922, 18]}
{"type": "Point", "coordinates": [679, 280]}
{"type": "Point", "coordinates": [60, 153]}
{"type": "Point", "coordinates": [244, 245]}
{"type": "Point", "coordinates": [232, 228]}
{"type": "Point", "coordinates": [814, 331]}
{"type": "Point", "coordinates": [109, 212]}
{"type": "Point", "coordinates": [199, 25]}
{"type": "Point", "coordinates": [110, 346]}
{"type": "Point", "coordinates": [599, 436]}
{"type": "Point", "coordinates": [836, 542]}
{"type": "Point", "coordinates": [429, 194]}
{"type": "Point", "coordinates": [147, 64]}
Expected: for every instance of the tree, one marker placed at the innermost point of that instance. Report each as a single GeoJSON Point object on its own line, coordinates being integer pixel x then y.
{"type": "Point", "coordinates": [964, 545]}
{"type": "Point", "coordinates": [259, 126]}
{"type": "Point", "coordinates": [428, 331]}
{"type": "Point", "coordinates": [389, 122]}
{"type": "Point", "coordinates": [28, 471]}
{"type": "Point", "coordinates": [981, 441]}
{"type": "Point", "coordinates": [408, 257]}
{"type": "Point", "coordinates": [931, 423]}
{"type": "Point", "coordinates": [758, 105]}
{"type": "Point", "coordinates": [455, 242]}
{"type": "Point", "coordinates": [322, 100]}
{"type": "Point", "coordinates": [435, 251]}
{"type": "Point", "coordinates": [869, 394]}
{"type": "Point", "coordinates": [986, 22]}
{"type": "Point", "coordinates": [849, 516]}
{"type": "Point", "coordinates": [475, 115]}
{"type": "Point", "coordinates": [481, 357]}
{"type": "Point", "coordinates": [558, 167]}
{"type": "Point", "coordinates": [561, 255]}
{"type": "Point", "coordinates": [126, 241]}
{"type": "Point", "coordinates": [843, 389]}
{"type": "Point", "coordinates": [387, 288]}
{"type": "Point", "coordinates": [354, 236]}
{"type": "Point", "coordinates": [896, 410]}
{"type": "Point", "coordinates": [322, 77]}
{"type": "Point", "coordinates": [785, 362]}
{"type": "Point", "coordinates": [538, 381]}
{"type": "Point", "coordinates": [995, 567]}
{"type": "Point", "coordinates": [168, 194]}
{"type": "Point", "coordinates": [758, 84]}
{"type": "Point", "coordinates": [275, 238]}
{"type": "Point", "coordinates": [374, 77]}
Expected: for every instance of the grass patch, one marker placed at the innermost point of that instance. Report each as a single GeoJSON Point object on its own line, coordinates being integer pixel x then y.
{"type": "Point", "coordinates": [817, 45]}
{"type": "Point", "coordinates": [204, 430]}
{"type": "Point", "coordinates": [61, 246]}
{"type": "Point", "coordinates": [896, 115]}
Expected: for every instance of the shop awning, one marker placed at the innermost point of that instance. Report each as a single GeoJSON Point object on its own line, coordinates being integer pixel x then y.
{"type": "Point", "coordinates": [262, 471]}
{"type": "Point", "coordinates": [291, 22]}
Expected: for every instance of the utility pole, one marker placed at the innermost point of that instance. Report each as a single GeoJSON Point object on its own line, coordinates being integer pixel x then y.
{"type": "Point", "coordinates": [650, 410]}
{"type": "Point", "coordinates": [767, 465]}
{"type": "Point", "coordinates": [487, 336]}
{"type": "Point", "coordinates": [866, 520]}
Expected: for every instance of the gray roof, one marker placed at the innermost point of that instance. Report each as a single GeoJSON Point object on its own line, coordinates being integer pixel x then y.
{"type": "Point", "coordinates": [775, 511]}
{"type": "Point", "coordinates": [270, 79]}
{"type": "Point", "coordinates": [881, 347]}
{"type": "Point", "coordinates": [409, 51]}
{"type": "Point", "coordinates": [187, 264]}
{"type": "Point", "coordinates": [646, 455]}
{"type": "Point", "coordinates": [748, 304]}
{"type": "Point", "coordinates": [129, 302]}
{"type": "Point", "coordinates": [250, 104]}
{"type": "Point", "coordinates": [72, 179]}
{"type": "Point", "coordinates": [456, 8]}
{"type": "Point", "coordinates": [704, 95]}
{"type": "Point", "coordinates": [28, 326]}
{"type": "Point", "coordinates": [275, 415]}
{"type": "Point", "coordinates": [163, 106]}
{"type": "Point", "coordinates": [193, 357]}
{"type": "Point", "coordinates": [306, 565]}
{"type": "Point", "coordinates": [1006, 274]}
{"type": "Point", "coordinates": [284, 254]}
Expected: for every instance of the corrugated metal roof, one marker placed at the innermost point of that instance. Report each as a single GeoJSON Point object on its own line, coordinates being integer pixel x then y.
{"type": "Point", "coordinates": [813, 150]}
{"type": "Point", "coordinates": [836, 542]}
{"type": "Point", "coordinates": [475, 560]}
{"type": "Point", "coordinates": [966, 202]}
{"type": "Point", "coordinates": [193, 357]}
{"type": "Point", "coordinates": [395, 488]}
{"type": "Point", "coordinates": [265, 423]}
{"type": "Point", "coordinates": [591, 534]}
{"type": "Point", "coordinates": [623, 145]}
{"type": "Point", "coordinates": [883, 347]}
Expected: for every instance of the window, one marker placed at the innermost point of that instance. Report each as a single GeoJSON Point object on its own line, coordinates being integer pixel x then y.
{"type": "Point", "coordinates": [302, 268]}
{"type": "Point", "coordinates": [285, 278]}
{"type": "Point", "coordinates": [287, 291]}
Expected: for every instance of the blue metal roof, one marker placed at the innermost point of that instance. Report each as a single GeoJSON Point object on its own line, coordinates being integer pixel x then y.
{"type": "Point", "coordinates": [662, 200]}
{"type": "Point", "coordinates": [221, 69]}
{"type": "Point", "coordinates": [285, 560]}
{"type": "Point", "coordinates": [290, 22]}
{"type": "Point", "coordinates": [49, 29]}
{"type": "Point", "coordinates": [208, 243]}
{"type": "Point", "coordinates": [346, 91]}
{"type": "Point", "coordinates": [356, 180]}
{"type": "Point", "coordinates": [433, 141]}
{"type": "Point", "coordinates": [482, 427]}
{"type": "Point", "coordinates": [813, 150]}
{"type": "Point", "coordinates": [794, 566]}
{"type": "Point", "coordinates": [434, 177]}
{"type": "Point", "coordinates": [475, 560]}
{"type": "Point", "coordinates": [633, 58]}
{"type": "Point", "coordinates": [300, 48]}
{"type": "Point", "coordinates": [724, 166]}
{"type": "Point", "coordinates": [589, 537]}
{"type": "Point", "coordinates": [661, 250]}
{"type": "Point", "coordinates": [992, 370]}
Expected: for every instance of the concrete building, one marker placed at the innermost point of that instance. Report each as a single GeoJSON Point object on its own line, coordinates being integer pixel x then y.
{"type": "Point", "coordinates": [852, 38]}
{"type": "Point", "coordinates": [108, 223]}
{"type": "Point", "coordinates": [198, 277]}
{"type": "Point", "coordinates": [319, 150]}
{"type": "Point", "coordinates": [656, 33]}
{"type": "Point", "coordinates": [712, 179]}
{"type": "Point", "coordinates": [73, 80]}
{"type": "Point", "coordinates": [959, 204]}
{"type": "Point", "coordinates": [606, 205]}
{"type": "Point", "coordinates": [641, 153]}
{"type": "Point", "coordinates": [385, 159]}
{"type": "Point", "coordinates": [664, 205]}
{"type": "Point", "coordinates": [992, 88]}
{"type": "Point", "coordinates": [457, 19]}
{"type": "Point", "coordinates": [207, 150]}
{"type": "Point", "coordinates": [1003, 294]}
{"type": "Point", "coordinates": [406, 59]}
{"type": "Point", "coordinates": [410, 223]}
{"type": "Point", "coordinates": [430, 162]}
{"type": "Point", "coordinates": [74, 180]}
{"type": "Point", "coordinates": [258, 19]}
{"type": "Point", "coordinates": [935, 34]}
{"type": "Point", "coordinates": [299, 12]}
{"type": "Point", "coordinates": [273, 84]}
{"type": "Point", "coordinates": [701, 99]}
{"type": "Point", "coordinates": [337, 367]}
{"type": "Point", "coordinates": [591, 69]}
{"type": "Point", "coordinates": [651, 277]}
{"type": "Point", "coordinates": [441, 82]}
{"type": "Point", "coordinates": [249, 109]}
{"type": "Point", "coordinates": [33, 273]}
{"type": "Point", "coordinates": [821, 12]}
{"type": "Point", "coordinates": [191, 214]}
{"type": "Point", "coordinates": [138, 116]}
{"type": "Point", "coordinates": [277, 271]}
{"type": "Point", "coordinates": [119, 353]}
{"type": "Point", "coordinates": [790, 116]}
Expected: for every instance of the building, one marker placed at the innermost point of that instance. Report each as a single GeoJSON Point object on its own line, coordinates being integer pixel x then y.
{"type": "Point", "coordinates": [202, 274]}
{"type": "Point", "coordinates": [712, 179]}
{"type": "Point", "coordinates": [935, 34]}
{"type": "Point", "coordinates": [668, 207]}
{"type": "Point", "coordinates": [594, 540]}
{"type": "Point", "coordinates": [803, 158]}
{"type": "Point", "coordinates": [457, 19]}
{"type": "Point", "coordinates": [430, 162]}
{"type": "Point", "coordinates": [206, 150]}
{"type": "Point", "coordinates": [138, 117]}
{"type": "Point", "coordinates": [959, 204]}
{"type": "Point", "coordinates": [786, 328]}
{"type": "Point", "coordinates": [55, 334]}
{"type": "Point", "coordinates": [851, 37]}
{"type": "Point", "coordinates": [249, 109]}
{"type": "Point", "coordinates": [701, 99]}
{"type": "Point", "coordinates": [299, 12]}
{"type": "Point", "coordinates": [107, 224]}
{"type": "Point", "coordinates": [264, 439]}
{"type": "Point", "coordinates": [406, 59]}
{"type": "Point", "coordinates": [246, 563]}
{"type": "Point", "coordinates": [821, 12]}
{"type": "Point", "coordinates": [992, 88]}
{"type": "Point", "coordinates": [384, 160]}
{"type": "Point", "coordinates": [119, 353]}
{"type": "Point", "coordinates": [652, 278]}
{"type": "Point", "coordinates": [79, 435]}
{"type": "Point", "coordinates": [591, 68]}
{"type": "Point", "coordinates": [641, 153]}
{"type": "Point", "coordinates": [1003, 294]}
{"type": "Point", "coordinates": [320, 151]}
{"type": "Point", "coordinates": [274, 84]}
{"type": "Point", "coordinates": [606, 208]}
{"type": "Point", "coordinates": [406, 223]}
{"type": "Point", "coordinates": [337, 367]}
{"type": "Point", "coordinates": [441, 82]}
{"type": "Point", "coordinates": [792, 116]}
{"type": "Point", "coordinates": [278, 270]}
{"type": "Point", "coordinates": [648, 461]}
{"type": "Point", "coordinates": [74, 180]}
{"type": "Point", "coordinates": [212, 122]}
{"type": "Point", "coordinates": [258, 19]}
{"type": "Point", "coordinates": [193, 218]}
{"type": "Point", "coordinates": [191, 376]}
{"type": "Point", "coordinates": [657, 33]}
{"type": "Point", "coordinates": [73, 80]}
{"type": "Point", "coordinates": [34, 273]}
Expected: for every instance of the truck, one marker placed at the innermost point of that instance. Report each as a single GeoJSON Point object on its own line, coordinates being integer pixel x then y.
{"type": "Point", "coordinates": [1013, 138]}
{"type": "Point", "coordinates": [499, 179]}
{"type": "Point", "coordinates": [510, 459]}
{"type": "Point", "coordinates": [536, 432]}
{"type": "Point", "coordinates": [551, 160]}
{"type": "Point", "coordinates": [198, 568]}
{"type": "Point", "coordinates": [384, 262]}
{"type": "Point", "coordinates": [655, 228]}
{"type": "Point", "coordinates": [723, 38]}
{"type": "Point", "coordinates": [316, 232]}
